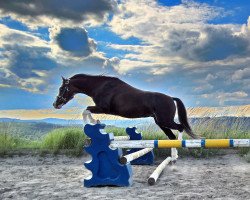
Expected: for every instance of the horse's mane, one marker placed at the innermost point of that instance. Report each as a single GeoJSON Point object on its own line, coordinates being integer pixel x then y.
{"type": "Point", "coordinates": [89, 75]}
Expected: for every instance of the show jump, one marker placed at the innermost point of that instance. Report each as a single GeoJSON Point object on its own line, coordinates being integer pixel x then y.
{"type": "Point", "coordinates": [109, 167]}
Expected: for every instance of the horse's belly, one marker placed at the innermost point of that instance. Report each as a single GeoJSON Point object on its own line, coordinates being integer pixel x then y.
{"type": "Point", "coordinates": [133, 111]}
{"type": "Point", "coordinates": [135, 115]}
{"type": "Point", "coordinates": [132, 105]}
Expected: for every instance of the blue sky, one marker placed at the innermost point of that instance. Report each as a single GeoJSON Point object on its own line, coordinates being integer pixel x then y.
{"type": "Point", "coordinates": [198, 51]}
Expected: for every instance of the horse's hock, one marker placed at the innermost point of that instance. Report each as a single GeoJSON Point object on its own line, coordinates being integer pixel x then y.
{"type": "Point", "coordinates": [110, 167]}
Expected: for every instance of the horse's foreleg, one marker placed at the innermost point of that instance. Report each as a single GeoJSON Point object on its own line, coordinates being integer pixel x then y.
{"type": "Point", "coordinates": [95, 110]}
{"type": "Point", "coordinates": [85, 115]}
{"type": "Point", "coordinates": [92, 120]}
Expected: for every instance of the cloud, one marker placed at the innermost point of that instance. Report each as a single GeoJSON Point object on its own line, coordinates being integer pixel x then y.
{"type": "Point", "coordinates": [36, 13]}
{"type": "Point", "coordinates": [73, 41]}
{"type": "Point", "coordinates": [29, 62]}
{"type": "Point", "coordinates": [26, 67]}
{"type": "Point", "coordinates": [178, 35]}
{"type": "Point", "coordinates": [25, 60]}
{"type": "Point", "coordinates": [223, 97]}
{"type": "Point", "coordinates": [241, 74]}
{"type": "Point", "coordinates": [136, 16]}
{"type": "Point", "coordinates": [10, 36]}
{"type": "Point", "coordinates": [218, 43]}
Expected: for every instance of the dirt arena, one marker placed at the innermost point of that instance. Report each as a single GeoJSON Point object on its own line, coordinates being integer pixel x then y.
{"type": "Point", "coordinates": [34, 177]}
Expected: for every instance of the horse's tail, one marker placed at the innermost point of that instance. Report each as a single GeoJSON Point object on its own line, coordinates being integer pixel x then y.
{"type": "Point", "coordinates": [182, 115]}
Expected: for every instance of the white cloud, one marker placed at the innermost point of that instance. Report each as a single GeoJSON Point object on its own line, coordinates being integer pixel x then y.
{"type": "Point", "coordinates": [178, 35]}
{"type": "Point", "coordinates": [148, 19]}
{"type": "Point", "coordinates": [222, 97]}
{"type": "Point", "coordinates": [10, 36]}
{"type": "Point", "coordinates": [241, 74]}
{"type": "Point", "coordinates": [22, 59]}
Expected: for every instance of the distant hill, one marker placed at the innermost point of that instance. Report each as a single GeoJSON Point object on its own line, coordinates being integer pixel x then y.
{"type": "Point", "coordinates": [240, 122]}
{"type": "Point", "coordinates": [46, 120]}
{"type": "Point", "coordinates": [67, 122]}
{"type": "Point", "coordinates": [9, 120]}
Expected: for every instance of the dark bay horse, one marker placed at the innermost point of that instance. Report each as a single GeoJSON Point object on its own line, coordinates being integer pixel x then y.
{"type": "Point", "coordinates": [113, 96]}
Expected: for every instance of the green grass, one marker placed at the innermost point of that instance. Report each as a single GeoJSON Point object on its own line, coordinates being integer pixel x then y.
{"type": "Point", "coordinates": [11, 143]}
{"type": "Point", "coordinates": [70, 140]}
{"type": "Point", "coordinates": [64, 139]}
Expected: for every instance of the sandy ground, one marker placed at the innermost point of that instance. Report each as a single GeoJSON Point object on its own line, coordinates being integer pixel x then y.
{"type": "Point", "coordinates": [31, 177]}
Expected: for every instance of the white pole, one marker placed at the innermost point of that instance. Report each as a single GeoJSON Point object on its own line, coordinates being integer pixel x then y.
{"type": "Point", "coordinates": [132, 144]}
{"type": "Point", "coordinates": [121, 138]}
{"type": "Point", "coordinates": [155, 175]}
{"type": "Point", "coordinates": [135, 155]}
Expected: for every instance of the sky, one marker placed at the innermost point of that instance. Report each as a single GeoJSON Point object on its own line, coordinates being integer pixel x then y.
{"type": "Point", "coordinates": [198, 51]}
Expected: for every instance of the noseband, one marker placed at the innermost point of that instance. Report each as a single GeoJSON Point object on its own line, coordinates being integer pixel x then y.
{"type": "Point", "coordinates": [66, 89]}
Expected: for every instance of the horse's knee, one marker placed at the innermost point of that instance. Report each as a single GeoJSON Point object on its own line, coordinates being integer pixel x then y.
{"type": "Point", "coordinates": [85, 115]}
{"type": "Point", "coordinates": [86, 112]}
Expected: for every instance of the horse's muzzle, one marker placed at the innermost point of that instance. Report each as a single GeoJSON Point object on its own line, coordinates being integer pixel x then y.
{"type": "Point", "coordinates": [54, 104]}
{"type": "Point", "coordinates": [57, 106]}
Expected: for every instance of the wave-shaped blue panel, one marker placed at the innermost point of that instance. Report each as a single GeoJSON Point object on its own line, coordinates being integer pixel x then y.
{"type": "Point", "coordinates": [105, 166]}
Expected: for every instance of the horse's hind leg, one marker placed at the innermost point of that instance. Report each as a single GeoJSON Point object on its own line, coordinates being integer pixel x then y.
{"type": "Point", "coordinates": [165, 126]}
{"type": "Point", "coordinates": [168, 132]}
{"type": "Point", "coordinates": [171, 136]}
{"type": "Point", "coordinates": [163, 120]}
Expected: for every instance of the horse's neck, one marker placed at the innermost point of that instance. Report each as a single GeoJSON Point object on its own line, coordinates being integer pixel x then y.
{"type": "Point", "coordinates": [88, 85]}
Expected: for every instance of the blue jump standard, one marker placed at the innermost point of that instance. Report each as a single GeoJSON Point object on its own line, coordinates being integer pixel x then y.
{"type": "Point", "coordinates": [147, 159]}
{"type": "Point", "coordinates": [105, 166]}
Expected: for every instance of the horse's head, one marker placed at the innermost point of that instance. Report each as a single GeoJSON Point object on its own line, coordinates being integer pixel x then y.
{"type": "Point", "coordinates": [66, 93]}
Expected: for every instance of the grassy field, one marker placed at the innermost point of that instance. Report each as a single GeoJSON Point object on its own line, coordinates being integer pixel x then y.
{"type": "Point", "coordinates": [70, 140]}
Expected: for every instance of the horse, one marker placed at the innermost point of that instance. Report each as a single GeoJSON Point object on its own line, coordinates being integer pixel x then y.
{"type": "Point", "coordinates": [115, 97]}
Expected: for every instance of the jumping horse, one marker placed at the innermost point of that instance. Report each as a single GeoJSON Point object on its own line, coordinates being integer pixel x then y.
{"type": "Point", "coordinates": [115, 97]}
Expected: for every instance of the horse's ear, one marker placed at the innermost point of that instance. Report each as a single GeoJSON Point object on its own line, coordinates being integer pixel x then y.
{"type": "Point", "coordinates": [63, 78]}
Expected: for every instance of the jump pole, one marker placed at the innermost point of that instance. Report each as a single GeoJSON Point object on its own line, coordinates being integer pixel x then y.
{"type": "Point", "coordinates": [201, 143]}
{"type": "Point", "coordinates": [135, 155]}
{"type": "Point", "coordinates": [121, 138]}
{"type": "Point", "coordinates": [155, 175]}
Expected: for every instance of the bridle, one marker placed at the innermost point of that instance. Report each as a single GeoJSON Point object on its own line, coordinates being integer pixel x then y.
{"type": "Point", "coordinates": [66, 89]}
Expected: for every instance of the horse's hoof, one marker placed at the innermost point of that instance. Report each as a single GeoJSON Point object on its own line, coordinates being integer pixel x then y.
{"type": "Point", "coordinates": [173, 161]}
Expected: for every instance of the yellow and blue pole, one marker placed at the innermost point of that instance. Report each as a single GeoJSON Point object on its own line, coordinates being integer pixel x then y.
{"type": "Point", "coordinates": [202, 143]}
